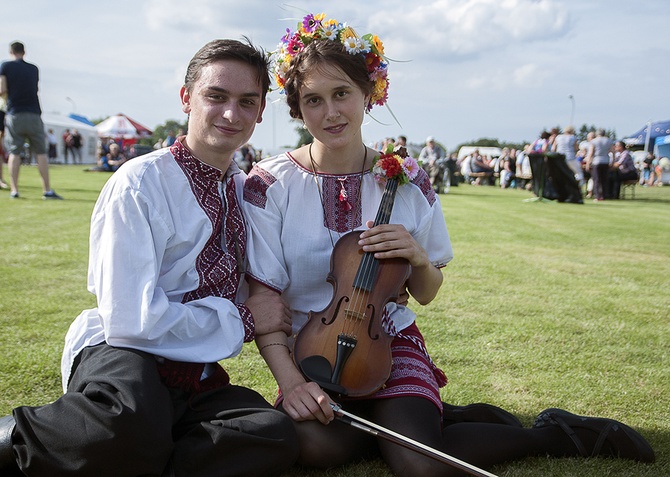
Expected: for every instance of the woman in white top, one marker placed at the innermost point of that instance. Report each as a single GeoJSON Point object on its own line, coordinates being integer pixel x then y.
{"type": "Point", "coordinates": [298, 206]}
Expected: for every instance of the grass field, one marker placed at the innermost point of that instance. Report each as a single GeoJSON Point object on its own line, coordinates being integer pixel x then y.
{"type": "Point", "coordinates": [545, 305]}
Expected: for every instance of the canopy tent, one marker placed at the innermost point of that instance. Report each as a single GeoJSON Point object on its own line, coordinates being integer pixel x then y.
{"type": "Point", "coordinates": [662, 145]}
{"type": "Point", "coordinates": [647, 135]}
{"type": "Point", "coordinates": [59, 123]}
{"type": "Point", "coordinates": [80, 118]}
{"type": "Point", "coordinates": [121, 126]}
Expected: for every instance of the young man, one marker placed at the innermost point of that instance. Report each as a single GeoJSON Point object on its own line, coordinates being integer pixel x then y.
{"type": "Point", "coordinates": [145, 394]}
{"type": "Point", "coordinates": [19, 82]}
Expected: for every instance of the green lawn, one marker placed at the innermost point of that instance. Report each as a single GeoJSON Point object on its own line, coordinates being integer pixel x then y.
{"type": "Point", "coordinates": [544, 305]}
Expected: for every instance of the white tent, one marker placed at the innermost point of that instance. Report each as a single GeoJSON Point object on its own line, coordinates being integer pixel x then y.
{"type": "Point", "coordinates": [89, 134]}
{"type": "Point", "coordinates": [121, 126]}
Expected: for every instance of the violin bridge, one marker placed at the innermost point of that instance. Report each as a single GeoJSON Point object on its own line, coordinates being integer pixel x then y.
{"type": "Point", "coordinates": [354, 315]}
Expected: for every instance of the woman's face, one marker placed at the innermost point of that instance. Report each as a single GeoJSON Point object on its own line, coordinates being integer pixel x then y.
{"type": "Point", "coordinates": [332, 106]}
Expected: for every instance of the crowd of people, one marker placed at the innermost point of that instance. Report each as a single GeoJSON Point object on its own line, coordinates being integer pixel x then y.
{"type": "Point", "coordinates": [220, 258]}
{"type": "Point", "coordinates": [599, 165]}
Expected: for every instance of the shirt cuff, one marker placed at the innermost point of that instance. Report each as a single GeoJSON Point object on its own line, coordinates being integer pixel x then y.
{"type": "Point", "coordinates": [248, 321]}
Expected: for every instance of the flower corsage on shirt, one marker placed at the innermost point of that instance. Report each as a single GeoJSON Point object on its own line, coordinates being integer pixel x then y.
{"type": "Point", "coordinates": [395, 164]}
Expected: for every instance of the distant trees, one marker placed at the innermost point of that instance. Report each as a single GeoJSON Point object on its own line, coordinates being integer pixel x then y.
{"type": "Point", "coordinates": [491, 142]}
{"type": "Point", "coordinates": [304, 136]}
{"type": "Point", "coordinates": [161, 131]}
{"type": "Point", "coordinates": [584, 130]}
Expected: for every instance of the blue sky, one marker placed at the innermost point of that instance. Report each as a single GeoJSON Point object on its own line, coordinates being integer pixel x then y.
{"type": "Point", "coordinates": [462, 69]}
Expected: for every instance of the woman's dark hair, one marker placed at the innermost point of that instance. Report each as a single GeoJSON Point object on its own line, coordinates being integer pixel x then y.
{"type": "Point", "coordinates": [315, 56]}
{"type": "Point", "coordinates": [217, 50]}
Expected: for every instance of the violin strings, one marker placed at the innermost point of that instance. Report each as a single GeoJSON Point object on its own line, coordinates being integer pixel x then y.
{"type": "Point", "coordinates": [325, 215]}
{"type": "Point", "coordinates": [368, 262]}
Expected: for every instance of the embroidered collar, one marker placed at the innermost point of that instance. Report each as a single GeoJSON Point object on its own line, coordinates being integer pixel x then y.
{"type": "Point", "coordinates": [197, 167]}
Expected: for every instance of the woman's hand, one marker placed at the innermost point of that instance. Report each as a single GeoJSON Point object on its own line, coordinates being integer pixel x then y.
{"type": "Point", "coordinates": [393, 241]}
{"type": "Point", "coordinates": [307, 401]}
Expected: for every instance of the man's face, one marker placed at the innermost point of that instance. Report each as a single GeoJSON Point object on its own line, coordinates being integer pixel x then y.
{"type": "Point", "coordinates": [224, 106]}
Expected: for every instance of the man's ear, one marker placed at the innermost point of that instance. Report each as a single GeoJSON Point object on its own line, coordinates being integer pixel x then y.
{"type": "Point", "coordinates": [259, 119]}
{"type": "Point", "coordinates": [185, 100]}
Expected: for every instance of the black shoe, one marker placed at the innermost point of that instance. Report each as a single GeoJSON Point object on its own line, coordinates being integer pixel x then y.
{"type": "Point", "coordinates": [7, 458]}
{"type": "Point", "coordinates": [51, 195]}
{"type": "Point", "coordinates": [478, 412]}
{"type": "Point", "coordinates": [612, 438]}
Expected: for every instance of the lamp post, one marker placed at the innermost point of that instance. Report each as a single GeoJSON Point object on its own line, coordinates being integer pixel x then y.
{"type": "Point", "coordinates": [74, 105]}
{"type": "Point", "coordinates": [572, 111]}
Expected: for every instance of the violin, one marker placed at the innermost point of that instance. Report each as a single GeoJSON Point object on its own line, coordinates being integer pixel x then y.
{"type": "Point", "coordinates": [344, 347]}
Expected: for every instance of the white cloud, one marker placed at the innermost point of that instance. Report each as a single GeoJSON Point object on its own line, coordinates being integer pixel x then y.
{"type": "Point", "coordinates": [494, 68]}
{"type": "Point", "coordinates": [456, 29]}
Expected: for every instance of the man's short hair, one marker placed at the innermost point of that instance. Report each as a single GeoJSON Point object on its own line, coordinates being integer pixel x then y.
{"type": "Point", "coordinates": [218, 50]}
{"type": "Point", "coordinates": [17, 48]}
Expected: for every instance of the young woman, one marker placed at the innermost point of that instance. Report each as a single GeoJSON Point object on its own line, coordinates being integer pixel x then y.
{"type": "Point", "coordinates": [299, 204]}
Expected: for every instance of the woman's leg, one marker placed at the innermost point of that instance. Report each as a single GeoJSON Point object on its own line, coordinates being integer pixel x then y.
{"type": "Point", "coordinates": [335, 444]}
{"type": "Point", "coordinates": [480, 444]}
{"type": "Point", "coordinates": [485, 445]}
{"type": "Point", "coordinates": [418, 419]}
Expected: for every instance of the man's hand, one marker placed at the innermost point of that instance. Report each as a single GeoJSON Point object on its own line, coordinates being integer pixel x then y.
{"type": "Point", "coordinates": [271, 313]}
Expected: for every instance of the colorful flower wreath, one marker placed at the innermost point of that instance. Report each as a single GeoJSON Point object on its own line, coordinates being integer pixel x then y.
{"type": "Point", "coordinates": [395, 164]}
{"type": "Point", "coordinates": [316, 27]}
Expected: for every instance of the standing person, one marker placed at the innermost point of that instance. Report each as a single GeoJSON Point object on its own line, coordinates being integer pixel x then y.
{"type": "Point", "coordinates": [145, 394]}
{"type": "Point", "coordinates": [52, 140]}
{"type": "Point", "coordinates": [77, 144]}
{"type": "Point", "coordinates": [566, 144]}
{"type": "Point", "coordinates": [67, 146]}
{"type": "Point", "coordinates": [19, 82]}
{"type": "Point", "coordinates": [541, 144]}
{"type": "Point", "coordinates": [299, 204]}
{"type": "Point", "coordinates": [432, 156]}
{"type": "Point", "coordinates": [507, 161]}
{"type": "Point", "coordinates": [586, 148]}
{"type": "Point", "coordinates": [3, 111]}
{"type": "Point", "coordinates": [598, 163]}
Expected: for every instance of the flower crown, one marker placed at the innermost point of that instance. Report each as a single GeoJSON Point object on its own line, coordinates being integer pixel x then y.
{"type": "Point", "coordinates": [395, 164]}
{"type": "Point", "coordinates": [316, 27]}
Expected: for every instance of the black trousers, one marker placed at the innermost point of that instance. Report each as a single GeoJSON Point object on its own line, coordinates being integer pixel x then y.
{"type": "Point", "coordinates": [600, 185]}
{"type": "Point", "coordinates": [118, 419]}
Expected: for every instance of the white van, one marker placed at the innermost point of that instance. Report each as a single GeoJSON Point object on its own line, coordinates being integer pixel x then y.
{"type": "Point", "coordinates": [465, 151]}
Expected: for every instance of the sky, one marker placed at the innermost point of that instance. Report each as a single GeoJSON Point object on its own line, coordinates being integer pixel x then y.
{"type": "Point", "coordinates": [459, 69]}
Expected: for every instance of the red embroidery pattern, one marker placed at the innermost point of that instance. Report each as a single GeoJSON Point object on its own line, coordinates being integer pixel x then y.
{"type": "Point", "coordinates": [342, 215]}
{"type": "Point", "coordinates": [216, 266]}
{"type": "Point", "coordinates": [423, 182]}
{"type": "Point", "coordinates": [256, 187]}
{"type": "Point", "coordinates": [412, 373]}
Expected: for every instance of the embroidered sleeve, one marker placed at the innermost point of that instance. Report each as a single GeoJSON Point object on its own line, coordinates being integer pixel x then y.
{"type": "Point", "coordinates": [422, 181]}
{"type": "Point", "coordinates": [256, 186]}
{"type": "Point", "coordinates": [248, 321]}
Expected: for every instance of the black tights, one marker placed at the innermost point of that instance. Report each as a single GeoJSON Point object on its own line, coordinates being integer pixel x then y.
{"type": "Point", "coordinates": [481, 444]}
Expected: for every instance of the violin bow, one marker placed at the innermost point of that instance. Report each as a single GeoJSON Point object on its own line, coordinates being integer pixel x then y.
{"type": "Point", "coordinates": [389, 435]}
